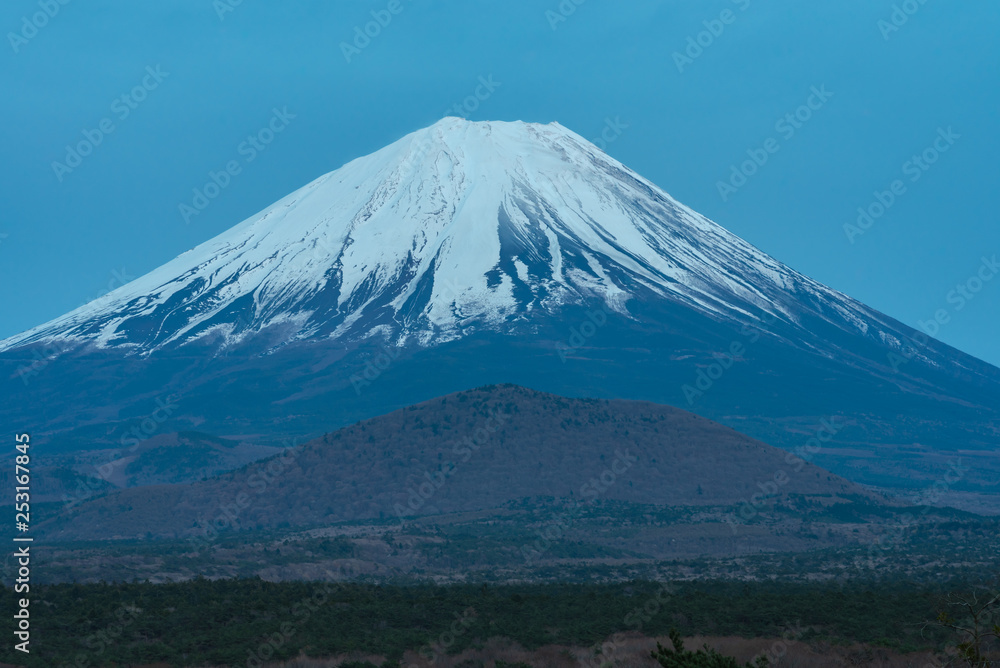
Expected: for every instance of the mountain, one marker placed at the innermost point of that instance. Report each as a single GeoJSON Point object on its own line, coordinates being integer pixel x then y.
{"type": "Point", "coordinates": [73, 477]}
{"type": "Point", "coordinates": [473, 253]}
{"type": "Point", "coordinates": [460, 227]}
{"type": "Point", "coordinates": [170, 458]}
{"type": "Point", "coordinates": [476, 451]}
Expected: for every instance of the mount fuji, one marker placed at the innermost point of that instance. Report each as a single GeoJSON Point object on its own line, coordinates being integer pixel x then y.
{"type": "Point", "coordinates": [470, 253]}
{"type": "Point", "coordinates": [458, 227]}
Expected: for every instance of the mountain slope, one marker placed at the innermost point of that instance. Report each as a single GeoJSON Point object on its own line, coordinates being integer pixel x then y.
{"type": "Point", "coordinates": [472, 451]}
{"type": "Point", "coordinates": [458, 227]}
{"type": "Point", "coordinates": [467, 254]}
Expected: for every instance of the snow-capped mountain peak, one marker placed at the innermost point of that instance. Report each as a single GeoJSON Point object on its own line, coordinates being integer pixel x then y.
{"type": "Point", "coordinates": [453, 228]}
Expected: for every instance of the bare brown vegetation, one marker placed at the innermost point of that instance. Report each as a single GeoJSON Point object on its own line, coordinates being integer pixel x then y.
{"type": "Point", "coordinates": [477, 450]}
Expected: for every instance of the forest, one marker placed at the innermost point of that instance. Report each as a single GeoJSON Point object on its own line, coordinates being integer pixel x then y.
{"type": "Point", "coordinates": [232, 621]}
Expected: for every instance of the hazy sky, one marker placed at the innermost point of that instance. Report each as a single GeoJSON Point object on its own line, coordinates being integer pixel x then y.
{"type": "Point", "coordinates": [182, 84]}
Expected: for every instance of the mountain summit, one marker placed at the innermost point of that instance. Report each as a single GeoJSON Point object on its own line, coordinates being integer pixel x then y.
{"type": "Point", "coordinates": [454, 228]}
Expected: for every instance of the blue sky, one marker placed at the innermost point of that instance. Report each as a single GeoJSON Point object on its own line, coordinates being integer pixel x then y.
{"type": "Point", "coordinates": [198, 77]}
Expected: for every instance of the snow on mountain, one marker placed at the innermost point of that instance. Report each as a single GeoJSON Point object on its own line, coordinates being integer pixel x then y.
{"type": "Point", "coordinates": [454, 228]}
